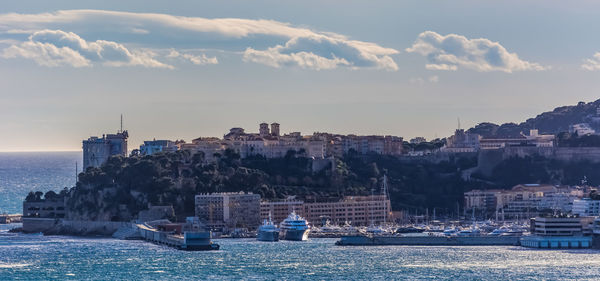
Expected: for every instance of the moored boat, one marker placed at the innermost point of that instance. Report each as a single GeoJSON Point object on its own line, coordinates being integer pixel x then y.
{"type": "Point", "coordinates": [294, 228]}
{"type": "Point", "coordinates": [268, 231]}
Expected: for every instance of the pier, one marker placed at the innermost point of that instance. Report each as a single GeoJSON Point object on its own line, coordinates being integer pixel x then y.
{"type": "Point", "coordinates": [188, 240]}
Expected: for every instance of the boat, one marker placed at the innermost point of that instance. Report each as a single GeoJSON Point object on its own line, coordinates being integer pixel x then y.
{"type": "Point", "coordinates": [410, 229]}
{"type": "Point", "coordinates": [469, 232]}
{"type": "Point", "coordinates": [268, 231]}
{"type": "Point", "coordinates": [294, 228]}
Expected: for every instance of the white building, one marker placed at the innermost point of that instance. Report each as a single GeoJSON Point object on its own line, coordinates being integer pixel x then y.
{"type": "Point", "coordinates": [156, 146]}
{"type": "Point", "coordinates": [586, 207]}
{"type": "Point", "coordinates": [581, 129]}
{"type": "Point", "coordinates": [228, 210]}
{"type": "Point", "coordinates": [461, 142]}
{"type": "Point", "coordinates": [97, 150]}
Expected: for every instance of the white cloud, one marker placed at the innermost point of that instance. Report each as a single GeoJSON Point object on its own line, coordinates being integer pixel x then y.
{"type": "Point", "coordinates": [452, 51]}
{"type": "Point", "coordinates": [268, 42]}
{"type": "Point", "coordinates": [59, 48]}
{"type": "Point", "coordinates": [198, 60]}
{"type": "Point", "coordinates": [322, 52]}
{"type": "Point", "coordinates": [421, 81]}
{"type": "Point", "coordinates": [592, 63]}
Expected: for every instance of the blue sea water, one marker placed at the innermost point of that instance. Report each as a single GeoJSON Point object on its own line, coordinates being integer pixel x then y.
{"type": "Point", "coordinates": [21, 172]}
{"type": "Point", "coordinates": [37, 257]}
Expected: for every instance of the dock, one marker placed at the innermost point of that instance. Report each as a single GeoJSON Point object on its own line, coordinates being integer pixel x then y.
{"type": "Point", "coordinates": [188, 241]}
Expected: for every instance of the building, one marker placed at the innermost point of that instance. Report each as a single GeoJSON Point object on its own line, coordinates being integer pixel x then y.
{"type": "Point", "coordinates": [358, 210]}
{"type": "Point", "coordinates": [97, 150]}
{"type": "Point", "coordinates": [523, 200]}
{"type": "Point", "coordinates": [45, 208]}
{"type": "Point", "coordinates": [586, 207]}
{"type": "Point", "coordinates": [156, 146]}
{"type": "Point", "coordinates": [462, 142]}
{"type": "Point", "coordinates": [264, 130]}
{"type": "Point", "coordinates": [582, 129]}
{"type": "Point", "coordinates": [226, 211]}
{"type": "Point", "coordinates": [559, 232]}
{"type": "Point", "coordinates": [534, 139]}
{"type": "Point", "coordinates": [208, 146]}
{"type": "Point", "coordinates": [275, 129]}
{"type": "Point", "coordinates": [279, 210]}
{"type": "Point", "coordinates": [266, 143]}
{"type": "Point", "coordinates": [556, 226]}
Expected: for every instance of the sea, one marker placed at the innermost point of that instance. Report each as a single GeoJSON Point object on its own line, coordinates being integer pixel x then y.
{"type": "Point", "coordinates": [39, 257]}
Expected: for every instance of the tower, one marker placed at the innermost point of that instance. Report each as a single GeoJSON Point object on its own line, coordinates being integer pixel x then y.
{"type": "Point", "coordinates": [264, 129]}
{"type": "Point", "coordinates": [275, 129]}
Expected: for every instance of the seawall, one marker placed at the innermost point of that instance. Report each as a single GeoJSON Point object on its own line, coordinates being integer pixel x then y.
{"type": "Point", "coordinates": [488, 159]}
{"type": "Point", "coordinates": [71, 227]}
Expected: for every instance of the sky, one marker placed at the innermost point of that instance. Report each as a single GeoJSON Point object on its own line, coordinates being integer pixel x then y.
{"type": "Point", "coordinates": [185, 69]}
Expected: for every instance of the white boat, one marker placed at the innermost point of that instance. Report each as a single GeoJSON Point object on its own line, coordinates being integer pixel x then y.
{"type": "Point", "coordinates": [294, 228]}
{"type": "Point", "coordinates": [268, 231]}
{"type": "Point", "coordinates": [450, 231]}
{"type": "Point", "coordinates": [469, 232]}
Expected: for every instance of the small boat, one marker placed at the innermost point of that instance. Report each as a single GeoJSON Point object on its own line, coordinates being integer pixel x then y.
{"type": "Point", "coordinates": [268, 231]}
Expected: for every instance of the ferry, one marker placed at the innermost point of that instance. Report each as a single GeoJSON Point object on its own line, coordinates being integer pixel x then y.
{"type": "Point", "coordinates": [294, 228]}
{"type": "Point", "coordinates": [268, 231]}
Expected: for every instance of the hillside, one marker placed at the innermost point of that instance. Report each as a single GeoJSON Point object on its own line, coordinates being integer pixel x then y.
{"type": "Point", "coordinates": [552, 122]}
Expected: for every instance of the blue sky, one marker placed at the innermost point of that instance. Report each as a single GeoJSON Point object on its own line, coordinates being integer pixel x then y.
{"type": "Point", "coordinates": [185, 69]}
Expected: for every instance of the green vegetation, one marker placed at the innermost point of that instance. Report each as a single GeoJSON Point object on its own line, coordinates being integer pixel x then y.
{"type": "Point", "coordinates": [538, 169]}
{"type": "Point", "coordinates": [552, 122]}
{"type": "Point", "coordinates": [124, 186]}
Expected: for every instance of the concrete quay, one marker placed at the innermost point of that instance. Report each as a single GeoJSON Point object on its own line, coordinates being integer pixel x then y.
{"type": "Point", "coordinates": [374, 240]}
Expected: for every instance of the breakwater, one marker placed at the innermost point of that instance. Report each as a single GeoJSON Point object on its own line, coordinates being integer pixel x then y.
{"type": "Point", "coordinates": [71, 227]}
{"type": "Point", "coordinates": [361, 240]}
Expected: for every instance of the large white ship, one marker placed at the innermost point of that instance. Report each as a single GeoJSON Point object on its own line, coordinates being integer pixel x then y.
{"type": "Point", "coordinates": [294, 228]}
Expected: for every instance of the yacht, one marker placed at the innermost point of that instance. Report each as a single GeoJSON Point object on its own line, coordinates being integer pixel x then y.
{"type": "Point", "coordinates": [469, 232]}
{"type": "Point", "coordinates": [268, 231]}
{"type": "Point", "coordinates": [294, 228]}
{"type": "Point", "coordinates": [450, 231]}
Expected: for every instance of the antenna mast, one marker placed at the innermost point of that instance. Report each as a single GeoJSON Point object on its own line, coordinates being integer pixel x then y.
{"type": "Point", "coordinates": [385, 196]}
{"type": "Point", "coordinates": [121, 123]}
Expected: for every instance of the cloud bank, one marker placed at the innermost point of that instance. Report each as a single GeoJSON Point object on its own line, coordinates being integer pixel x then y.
{"type": "Point", "coordinates": [452, 51]}
{"type": "Point", "coordinates": [268, 42]}
{"type": "Point", "coordinates": [58, 48]}
{"type": "Point", "coordinates": [322, 52]}
{"type": "Point", "coordinates": [592, 63]}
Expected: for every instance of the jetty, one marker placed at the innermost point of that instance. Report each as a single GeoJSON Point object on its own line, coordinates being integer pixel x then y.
{"type": "Point", "coordinates": [176, 235]}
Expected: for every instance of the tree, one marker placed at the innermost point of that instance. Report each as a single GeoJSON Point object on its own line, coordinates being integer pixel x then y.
{"type": "Point", "coordinates": [38, 195]}
{"type": "Point", "coordinates": [30, 197]}
{"type": "Point", "coordinates": [50, 195]}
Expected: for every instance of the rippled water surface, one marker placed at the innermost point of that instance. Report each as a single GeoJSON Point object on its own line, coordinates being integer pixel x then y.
{"type": "Point", "coordinates": [21, 172]}
{"type": "Point", "coordinates": [33, 257]}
